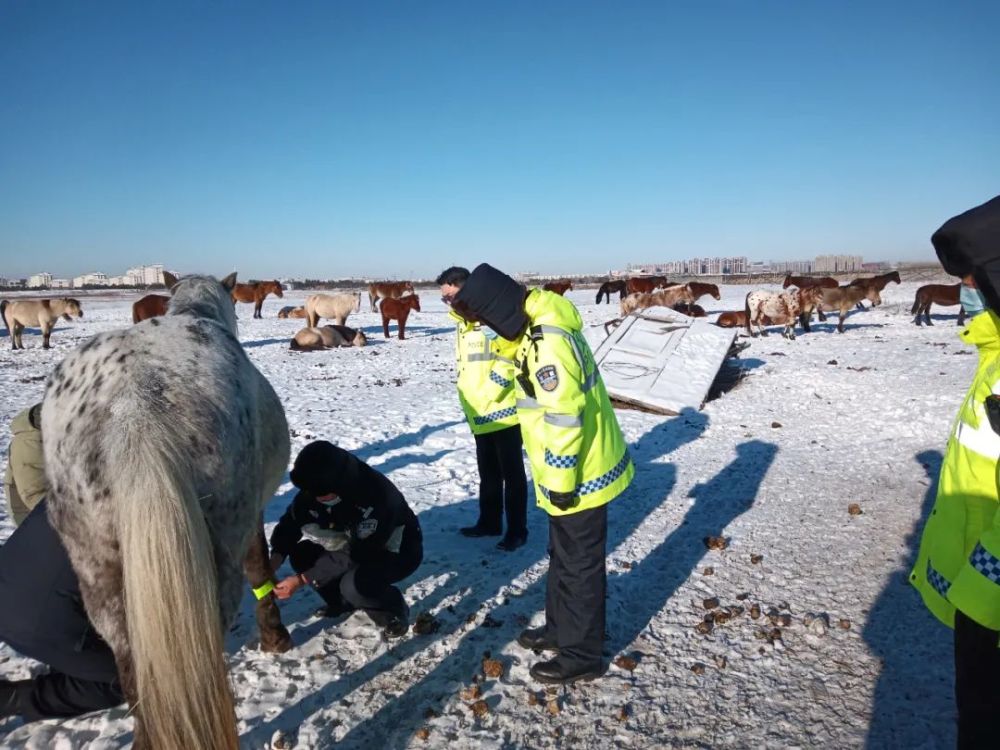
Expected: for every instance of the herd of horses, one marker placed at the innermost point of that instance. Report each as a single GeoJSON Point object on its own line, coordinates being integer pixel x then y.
{"type": "Point", "coordinates": [398, 300]}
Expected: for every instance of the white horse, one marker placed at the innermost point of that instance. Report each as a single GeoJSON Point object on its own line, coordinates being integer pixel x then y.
{"type": "Point", "coordinates": [162, 444]}
{"type": "Point", "coordinates": [335, 306]}
{"type": "Point", "coordinates": [782, 308]}
{"type": "Point", "coordinates": [37, 312]}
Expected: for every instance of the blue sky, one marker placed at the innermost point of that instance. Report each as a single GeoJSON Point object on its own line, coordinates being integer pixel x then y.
{"type": "Point", "coordinates": [393, 139]}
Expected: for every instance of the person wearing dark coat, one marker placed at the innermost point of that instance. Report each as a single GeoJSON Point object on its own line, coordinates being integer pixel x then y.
{"type": "Point", "coordinates": [43, 618]}
{"type": "Point", "coordinates": [362, 537]}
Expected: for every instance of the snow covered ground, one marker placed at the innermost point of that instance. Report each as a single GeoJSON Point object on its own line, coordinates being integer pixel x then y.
{"type": "Point", "coordinates": [816, 424]}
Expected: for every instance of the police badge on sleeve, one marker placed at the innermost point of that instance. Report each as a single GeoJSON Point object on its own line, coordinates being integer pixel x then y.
{"type": "Point", "coordinates": [548, 378]}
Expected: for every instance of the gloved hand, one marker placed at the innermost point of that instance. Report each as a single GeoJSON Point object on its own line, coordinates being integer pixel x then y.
{"type": "Point", "coordinates": [563, 500]}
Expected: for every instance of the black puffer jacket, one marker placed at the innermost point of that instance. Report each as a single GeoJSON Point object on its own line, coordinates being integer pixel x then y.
{"type": "Point", "coordinates": [42, 614]}
{"type": "Point", "coordinates": [369, 507]}
{"type": "Point", "coordinates": [970, 243]}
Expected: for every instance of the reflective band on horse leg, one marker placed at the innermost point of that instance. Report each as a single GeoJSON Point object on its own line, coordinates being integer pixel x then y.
{"type": "Point", "coordinates": [261, 591]}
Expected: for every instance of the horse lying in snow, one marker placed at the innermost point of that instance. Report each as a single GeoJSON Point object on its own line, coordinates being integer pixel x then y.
{"type": "Point", "coordinates": [290, 311]}
{"type": "Point", "coordinates": [783, 308]}
{"type": "Point", "coordinates": [43, 313]}
{"type": "Point", "coordinates": [326, 337]}
{"type": "Point", "coordinates": [738, 319]}
{"type": "Point", "coordinates": [334, 306]}
{"type": "Point", "coordinates": [162, 444]}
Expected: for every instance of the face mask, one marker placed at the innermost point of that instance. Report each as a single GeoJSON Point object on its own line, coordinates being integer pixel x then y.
{"type": "Point", "coordinates": [489, 333]}
{"type": "Point", "coordinates": [972, 300]}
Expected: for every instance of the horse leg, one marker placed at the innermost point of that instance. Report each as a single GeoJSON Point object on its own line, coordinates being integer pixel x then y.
{"type": "Point", "coordinates": [256, 308]}
{"type": "Point", "coordinates": [961, 314]}
{"type": "Point", "coordinates": [819, 312]}
{"type": "Point", "coordinates": [274, 637]}
{"type": "Point", "coordinates": [371, 299]}
{"type": "Point", "coordinates": [46, 332]}
{"type": "Point", "coordinates": [385, 325]}
{"type": "Point", "coordinates": [927, 314]}
{"type": "Point", "coordinates": [18, 330]}
{"type": "Point", "coordinates": [402, 324]}
{"type": "Point", "coordinates": [840, 322]}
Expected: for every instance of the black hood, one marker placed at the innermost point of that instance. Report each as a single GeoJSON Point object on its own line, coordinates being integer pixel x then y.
{"type": "Point", "coordinates": [322, 468]}
{"type": "Point", "coordinates": [970, 243]}
{"type": "Point", "coordinates": [493, 298]}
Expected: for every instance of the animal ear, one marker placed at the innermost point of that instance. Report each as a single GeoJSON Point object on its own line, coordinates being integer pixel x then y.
{"type": "Point", "coordinates": [229, 282]}
{"type": "Point", "coordinates": [169, 280]}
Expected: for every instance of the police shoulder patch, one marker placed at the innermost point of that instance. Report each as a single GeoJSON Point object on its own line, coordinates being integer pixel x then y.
{"type": "Point", "coordinates": [547, 377]}
{"type": "Point", "coordinates": [366, 528]}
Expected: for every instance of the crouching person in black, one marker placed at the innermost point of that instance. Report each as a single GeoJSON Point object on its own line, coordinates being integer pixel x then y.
{"type": "Point", "coordinates": [362, 537]}
{"type": "Point", "coordinates": [42, 616]}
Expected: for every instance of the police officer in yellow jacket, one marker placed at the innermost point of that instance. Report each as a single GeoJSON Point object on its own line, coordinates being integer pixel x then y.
{"type": "Point", "coordinates": [958, 569]}
{"type": "Point", "coordinates": [578, 456]}
{"type": "Point", "coordinates": [486, 392]}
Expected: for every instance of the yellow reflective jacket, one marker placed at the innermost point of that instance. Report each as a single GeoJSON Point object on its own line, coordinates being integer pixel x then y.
{"type": "Point", "coordinates": [570, 431]}
{"type": "Point", "coordinates": [485, 378]}
{"type": "Point", "coordinates": [959, 562]}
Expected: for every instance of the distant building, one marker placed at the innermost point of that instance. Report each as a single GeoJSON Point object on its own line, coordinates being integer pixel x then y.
{"type": "Point", "coordinates": [877, 266]}
{"type": "Point", "coordinates": [145, 275]}
{"type": "Point", "coordinates": [61, 284]}
{"type": "Point", "coordinates": [40, 280]}
{"type": "Point", "coordinates": [837, 263]}
{"type": "Point", "coordinates": [714, 266]}
{"type": "Point", "coordinates": [90, 279]}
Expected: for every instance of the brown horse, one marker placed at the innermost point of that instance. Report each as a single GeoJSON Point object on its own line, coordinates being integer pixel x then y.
{"type": "Point", "coordinates": [256, 292]}
{"type": "Point", "coordinates": [388, 290]}
{"type": "Point", "coordinates": [150, 306]}
{"type": "Point", "coordinates": [946, 295]}
{"type": "Point", "coordinates": [559, 287]}
{"type": "Point", "coordinates": [608, 287]}
{"type": "Point", "coordinates": [699, 290]}
{"type": "Point", "coordinates": [398, 310]}
{"type": "Point", "coordinates": [738, 319]}
{"type": "Point", "coordinates": [680, 293]}
{"type": "Point", "coordinates": [876, 282]}
{"type": "Point", "coordinates": [827, 282]}
{"type": "Point", "coordinates": [644, 284]}
{"type": "Point", "coordinates": [841, 299]}
{"type": "Point", "coordinates": [690, 309]}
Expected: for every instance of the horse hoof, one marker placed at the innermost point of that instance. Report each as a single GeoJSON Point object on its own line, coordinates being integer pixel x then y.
{"type": "Point", "coordinates": [278, 643]}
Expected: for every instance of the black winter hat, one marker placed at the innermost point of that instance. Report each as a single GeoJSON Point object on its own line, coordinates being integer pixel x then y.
{"type": "Point", "coordinates": [970, 243]}
{"type": "Point", "coordinates": [322, 467]}
{"type": "Point", "coordinates": [494, 299]}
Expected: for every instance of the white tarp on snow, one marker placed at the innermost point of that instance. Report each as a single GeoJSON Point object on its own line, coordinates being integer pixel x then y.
{"type": "Point", "coordinates": [662, 359]}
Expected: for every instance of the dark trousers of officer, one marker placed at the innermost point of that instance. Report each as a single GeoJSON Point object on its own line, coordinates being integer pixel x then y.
{"type": "Point", "coordinates": [977, 683]}
{"type": "Point", "coordinates": [502, 482]}
{"type": "Point", "coordinates": [368, 585]}
{"type": "Point", "coordinates": [57, 695]}
{"type": "Point", "coordinates": [577, 586]}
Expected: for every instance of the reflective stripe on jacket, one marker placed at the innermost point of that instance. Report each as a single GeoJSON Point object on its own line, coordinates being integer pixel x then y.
{"type": "Point", "coordinates": [959, 561]}
{"type": "Point", "coordinates": [485, 378]}
{"type": "Point", "coordinates": [570, 431]}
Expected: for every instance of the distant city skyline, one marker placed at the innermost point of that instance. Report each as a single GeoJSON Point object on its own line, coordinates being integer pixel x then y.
{"type": "Point", "coordinates": [338, 139]}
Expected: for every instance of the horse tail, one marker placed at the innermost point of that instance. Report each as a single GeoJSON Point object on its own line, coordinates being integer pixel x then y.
{"type": "Point", "coordinates": [746, 311]}
{"type": "Point", "coordinates": [600, 291]}
{"type": "Point", "coordinates": [3, 314]}
{"type": "Point", "coordinates": [916, 302]}
{"type": "Point", "coordinates": [172, 606]}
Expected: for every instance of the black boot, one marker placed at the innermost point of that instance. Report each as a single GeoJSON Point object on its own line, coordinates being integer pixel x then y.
{"type": "Point", "coordinates": [12, 695]}
{"type": "Point", "coordinates": [477, 530]}
{"type": "Point", "coordinates": [554, 672]}
{"type": "Point", "coordinates": [511, 542]}
{"type": "Point", "coordinates": [538, 639]}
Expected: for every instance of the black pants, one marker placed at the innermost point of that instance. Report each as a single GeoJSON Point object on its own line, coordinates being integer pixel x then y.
{"type": "Point", "coordinates": [366, 585]}
{"type": "Point", "coordinates": [577, 586]}
{"type": "Point", "coordinates": [977, 683]}
{"type": "Point", "coordinates": [56, 695]}
{"type": "Point", "coordinates": [502, 483]}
